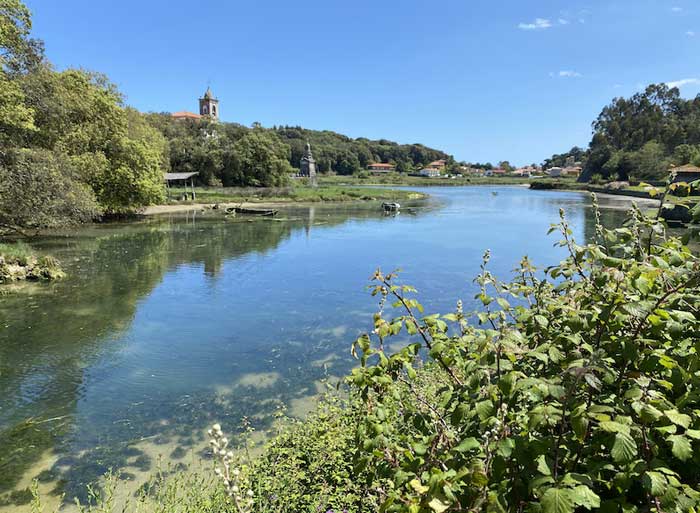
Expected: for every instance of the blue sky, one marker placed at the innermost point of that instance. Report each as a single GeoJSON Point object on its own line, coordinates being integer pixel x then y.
{"type": "Point", "coordinates": [482, 80]}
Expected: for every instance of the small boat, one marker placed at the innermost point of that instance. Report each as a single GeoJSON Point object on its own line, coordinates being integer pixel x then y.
{"type": "Point", "coordinates": [391, 207]}
{"type": "Point", "coordinates": [267, 212]}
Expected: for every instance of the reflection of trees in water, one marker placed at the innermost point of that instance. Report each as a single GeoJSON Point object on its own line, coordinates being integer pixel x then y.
{"type": "Point", "coordinates": [56, 333]}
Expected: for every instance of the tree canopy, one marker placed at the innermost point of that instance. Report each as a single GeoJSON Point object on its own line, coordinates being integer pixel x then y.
{"type": "Point", "coordinates": [642, 136]}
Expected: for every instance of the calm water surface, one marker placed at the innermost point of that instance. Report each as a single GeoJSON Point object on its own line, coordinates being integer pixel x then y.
{"type": "Point", "coordinates": [168, 325]}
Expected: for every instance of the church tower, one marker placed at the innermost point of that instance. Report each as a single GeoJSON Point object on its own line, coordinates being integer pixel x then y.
{"type": "Point", "coordinates": [209, 106]}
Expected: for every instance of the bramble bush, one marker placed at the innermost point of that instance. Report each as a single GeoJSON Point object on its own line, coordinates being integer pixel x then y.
{"type": "Point", "coordinates": [572, 388]}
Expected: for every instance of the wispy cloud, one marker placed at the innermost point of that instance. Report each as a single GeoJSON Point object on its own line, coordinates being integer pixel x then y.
{"type": "Point", "coordinates": [683, 82]}
{"type": "Point", "coordinates": [677, 9]}
{"type": "Point", "coordinates": [538, 24]}
{"type": "Point", "coordinates": [566, 74]}
{"type": "Point", "coordinates": [690, 33]}
{"type": "Point", "coordinates": [563, 21]}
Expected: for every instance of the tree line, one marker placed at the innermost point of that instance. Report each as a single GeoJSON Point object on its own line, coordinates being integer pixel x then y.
{"type": "Point", "coordinates": [231, 154]}
{"type": "Point", "coordinates": [640, 137]}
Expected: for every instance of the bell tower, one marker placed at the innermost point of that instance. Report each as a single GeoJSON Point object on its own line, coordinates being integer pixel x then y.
{"type": "Point", "coordinates": [208, 105]}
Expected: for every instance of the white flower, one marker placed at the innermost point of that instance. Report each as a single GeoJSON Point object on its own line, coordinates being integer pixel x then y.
{"type": "Point", "coordinates": [236, 472]}
{"type": "Point", "coordinates": [249, 493]}
{"type": "Point", "coordinates": [217, 428]}
{"type": "Point", "coordinates": [234, 489]}
{"type": "Point", "coordinates": [217, 471]}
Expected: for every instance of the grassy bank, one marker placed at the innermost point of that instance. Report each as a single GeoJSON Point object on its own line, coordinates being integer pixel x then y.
{"type": "Point", "coordinates": [293, 194]}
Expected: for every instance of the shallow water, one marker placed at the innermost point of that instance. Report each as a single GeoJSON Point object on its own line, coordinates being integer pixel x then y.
{"type": "Point", "coordinates": [167, 325]}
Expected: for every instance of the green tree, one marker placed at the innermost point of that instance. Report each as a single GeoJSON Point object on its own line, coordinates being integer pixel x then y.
{"type": "Point", "coordinates": [41, 189]}
{"type": "Point", "coordinates": [258, 159]}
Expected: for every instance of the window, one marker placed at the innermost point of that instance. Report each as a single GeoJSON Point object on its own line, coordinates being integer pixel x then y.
{"type": "Point", "coordinates": [205, 109]}
{"type": "Point", "coordinates": [213, 110]}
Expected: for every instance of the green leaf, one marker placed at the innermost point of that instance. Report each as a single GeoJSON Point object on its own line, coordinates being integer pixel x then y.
{"type": "Point", "coordinates": [680, 447]}
{"type": "Point", "coordinates": [437, 505]}
{"type": "Point", "coordinates": [419, 488]}
{"type": "Point", "coordinates": [582, 495]}
{"type": "Point", "coordinates": [655, 483]}
{"type": "Point", "coordinates": [557, 500]}
{"type": "Point", "coordinates": [680, 419]}
{"type": "Point", "coordinates": [624, 449]}
{"type": "Point", "coordinates": [467, 445]}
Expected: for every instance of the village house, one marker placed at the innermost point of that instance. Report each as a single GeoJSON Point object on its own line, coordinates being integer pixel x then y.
{"type": "Point", "coordinates": [438, 165]}
{"type": "Point", "coordinates": [573, 171]}
{"type": "Point", "coordinates": [525, 171]}
{"type": "Point", "coordinates": [554, 172]}
{"type": "Point", "coordinates": [495, 172]}
{"type": "Point", "coordinates": [379, 167]}
{"type": "Point", "coordinates": [429, 172]}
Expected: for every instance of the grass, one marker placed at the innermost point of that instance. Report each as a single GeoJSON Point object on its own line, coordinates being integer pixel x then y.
{"type": "Point", "coordinates": [294, 194]}
{"type": "Point", "coordinates": [16, 252]}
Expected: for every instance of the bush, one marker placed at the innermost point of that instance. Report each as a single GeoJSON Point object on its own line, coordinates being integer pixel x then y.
{"type": "Point", "coordinates": [575, 388]}
{"type": "Point", "coordinates": [39, 189]}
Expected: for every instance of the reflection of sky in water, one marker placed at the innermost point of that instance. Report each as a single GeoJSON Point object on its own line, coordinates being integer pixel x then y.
{"type": "Point", "coordinates": [167, 325]}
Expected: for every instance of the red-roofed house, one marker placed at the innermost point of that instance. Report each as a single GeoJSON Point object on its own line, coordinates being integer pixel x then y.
{"type": "Point", "coordinates": [183, 114]}
{"type": "Point", "coordinates": [379, 167]}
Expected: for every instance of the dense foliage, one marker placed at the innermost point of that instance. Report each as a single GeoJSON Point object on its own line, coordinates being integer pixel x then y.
{"type": "Point", "coordinates": [77, 121]}
{"type": "Point", "coordinates": [643, 136]}
{"type": "Point", "coordinates": [41, 189]}
{"type": "Point", "coordinates": [576, 389]}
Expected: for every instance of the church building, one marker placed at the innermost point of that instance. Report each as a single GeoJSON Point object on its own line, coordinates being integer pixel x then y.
{"type": "Point", "coordinates": [208, 107]}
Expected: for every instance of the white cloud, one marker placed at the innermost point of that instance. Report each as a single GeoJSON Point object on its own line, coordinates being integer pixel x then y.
{"type": "Point", "coordinates": [563, 21]}
{"type": "Point", "coordinates": [683, 82]}
{"type": "Point", "coordinates": [569, 74]}
{"type": "Point", "coordinates": [677, 9]}
{"type": "Point", "coordinates": [538, 24]}
{"type": "Point", "coordinates": [690, 33]}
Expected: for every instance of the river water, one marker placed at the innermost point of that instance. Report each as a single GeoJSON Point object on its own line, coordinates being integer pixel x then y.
{"type": "Point", "coordinates": [166, 325]}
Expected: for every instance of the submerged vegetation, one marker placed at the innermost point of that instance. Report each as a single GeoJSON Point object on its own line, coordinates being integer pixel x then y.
{"type": "Point", "coordinates": [18, 262]}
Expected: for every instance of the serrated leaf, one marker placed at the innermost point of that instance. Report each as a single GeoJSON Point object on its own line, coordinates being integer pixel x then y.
{"type": "Point", "coordinates": [624, 449]}
{"type": "Point", "coordinates": [680, 419]}
{"type": "Point", "coordinates": [557, 500]}
{"type": "Point", "coordinates": [680, 447]}
{"type": "Point", "coordinates": [655, 483]}
{"type": "Point", "coordinates": [582, 495]}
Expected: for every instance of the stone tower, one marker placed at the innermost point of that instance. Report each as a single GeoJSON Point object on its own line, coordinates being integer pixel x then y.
{"type": "Point", "coordinates": [308, 164]}
{"type": "Point", "coordinates": [209, 106]}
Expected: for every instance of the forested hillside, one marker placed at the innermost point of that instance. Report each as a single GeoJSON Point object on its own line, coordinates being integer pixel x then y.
{"type": "Point", "coordinates": [222, 152]}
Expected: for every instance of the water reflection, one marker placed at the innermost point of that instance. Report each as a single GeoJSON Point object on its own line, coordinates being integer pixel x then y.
{"type": "Point", "coordinates": [167, 325]}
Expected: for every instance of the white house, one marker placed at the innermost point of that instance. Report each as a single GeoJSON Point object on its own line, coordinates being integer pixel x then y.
{"type": "Point", "coordinates": [429, 172]}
